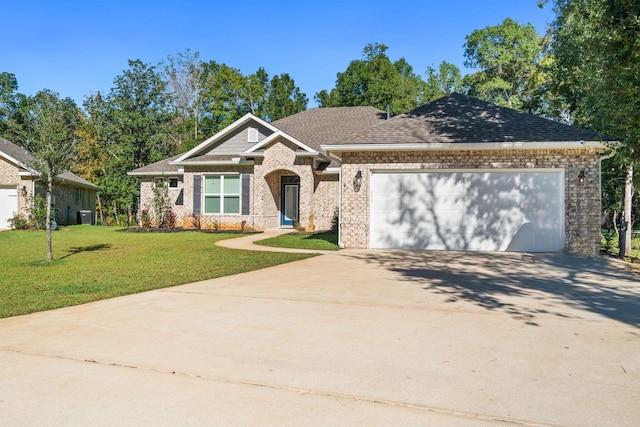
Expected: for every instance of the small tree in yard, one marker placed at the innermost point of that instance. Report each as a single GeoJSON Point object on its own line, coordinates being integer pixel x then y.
{"type": "Point", "coordinates": [161, 202]}
{"type": "Point", "coordinates": [45, 125]}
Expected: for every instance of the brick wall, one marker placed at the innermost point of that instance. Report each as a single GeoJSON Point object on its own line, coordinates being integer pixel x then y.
{"type": "Point", "coordinates": [318, 192]}
{"type": "Point", "coordinates": [10, 177]}
{"type": "Point", "coordinates": [69, 200]}
{"type": "Point", "coordinates": [582, 200]}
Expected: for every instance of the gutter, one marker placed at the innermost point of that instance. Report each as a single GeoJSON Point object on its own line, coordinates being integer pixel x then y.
{"type": "Point", "coordinates": [157, 173]}
{"type": "Point", "coordinates": [461, 146]}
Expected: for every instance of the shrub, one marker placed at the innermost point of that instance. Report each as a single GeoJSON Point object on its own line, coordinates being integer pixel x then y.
{"type": "Point", "coordinates": [38, 213]}
{"type": "Point", "coordinates": [335, 220]}
{"type": "Point", "coordinates": [168, 219]}
{"type": "Point", "coordinates": [608, 235]}
{"type": "Point", "coordinates": [195, 221]}
{"type": "Point", "coordinates": [145, 218]}
{"type": "Point", "coordinates": [19, 222]}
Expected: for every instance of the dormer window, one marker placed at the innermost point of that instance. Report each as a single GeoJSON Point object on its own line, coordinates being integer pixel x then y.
{"type": "Point", "coordinates": [253, 135]}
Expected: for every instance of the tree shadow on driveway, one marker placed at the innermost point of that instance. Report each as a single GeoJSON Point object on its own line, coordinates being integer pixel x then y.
{"type": "Point", "coordinates": [521, 285]}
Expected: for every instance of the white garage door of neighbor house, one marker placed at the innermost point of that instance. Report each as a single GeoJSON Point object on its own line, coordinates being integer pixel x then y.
{"type": "Point", "coordinates": [518, 211]}
{"type": "Point", "coordinates": [8, 205]}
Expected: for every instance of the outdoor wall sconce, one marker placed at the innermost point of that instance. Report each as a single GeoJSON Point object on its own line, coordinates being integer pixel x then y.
{"type": "Point", "coordinates": [581, 177]}
{"type": "Point", "coordinates": [23, 191]}
{"type": "Point", "coordinates": [357, 181]}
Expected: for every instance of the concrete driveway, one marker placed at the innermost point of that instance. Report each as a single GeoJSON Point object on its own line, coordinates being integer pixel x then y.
{"type": "Point", "coordinates": [353, 338]}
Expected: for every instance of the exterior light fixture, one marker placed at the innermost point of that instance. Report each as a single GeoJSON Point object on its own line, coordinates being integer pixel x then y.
{"type": "Point", "coordinates": [581, 177]}
{"type": "Point", "coordinates": [23, 191]}
{"type": "Point", "coordinates": [357, 181]}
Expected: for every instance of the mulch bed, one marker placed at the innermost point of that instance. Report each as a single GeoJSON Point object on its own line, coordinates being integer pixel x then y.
{"type": "Point", "coordinates": [180, 230]}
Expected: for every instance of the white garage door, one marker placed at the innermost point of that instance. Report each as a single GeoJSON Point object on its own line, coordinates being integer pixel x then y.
{"type": "Point", "coordinates": [520, 211]}
{"type": "Point", "coordinates": [8, 205]}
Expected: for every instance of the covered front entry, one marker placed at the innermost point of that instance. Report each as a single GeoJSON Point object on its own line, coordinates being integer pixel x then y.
{"type": "Point", "coordinates": [480, 210]}
{"type": "Point", "coordinates": [290, 200]}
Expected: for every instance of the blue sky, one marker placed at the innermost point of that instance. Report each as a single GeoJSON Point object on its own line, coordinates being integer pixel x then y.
{"type": "Point", "coordinates": [77, 48]}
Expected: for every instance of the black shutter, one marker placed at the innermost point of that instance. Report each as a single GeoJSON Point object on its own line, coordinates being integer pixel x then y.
{"type": "Point", "coordinates": [197, 191]}
{"type": "Point", "coordinates": [246, 194]}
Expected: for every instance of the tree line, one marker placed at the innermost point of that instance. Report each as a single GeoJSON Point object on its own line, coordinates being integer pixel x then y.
{"type": "Point", "coordinates": [584, 71]}
{"type": "Point", "coordinates": [151, 112]}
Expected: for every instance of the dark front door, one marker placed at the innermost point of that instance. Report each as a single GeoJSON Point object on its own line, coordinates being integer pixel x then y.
{"type": "Point", "coordinates": [290, 200]}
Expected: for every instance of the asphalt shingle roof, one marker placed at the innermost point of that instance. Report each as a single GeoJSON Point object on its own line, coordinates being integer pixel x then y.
{"type": "Point", "coordinates": [458, 118]}
{"type": "Point", "coordinates": [162, 166]}
{"type": "Point", "coordinates": [23, 156]}
{"type": "Point", "coordinates": [329, 125]}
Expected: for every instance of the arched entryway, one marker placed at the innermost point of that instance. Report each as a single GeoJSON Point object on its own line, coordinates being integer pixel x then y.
{"type": "Point", "coordinates": [283, 208]}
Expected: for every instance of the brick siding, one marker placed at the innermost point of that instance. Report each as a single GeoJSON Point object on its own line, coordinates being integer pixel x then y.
{"type": "Point", "coordinates": [318, 192]}
{"type": "Point", "coordinates": [582, 200]}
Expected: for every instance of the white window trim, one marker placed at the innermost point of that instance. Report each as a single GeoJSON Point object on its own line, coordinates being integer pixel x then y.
{"type": "Point", "coordinates": [177, 187]}
{"type": "Point", "coordinates": [222, 195]}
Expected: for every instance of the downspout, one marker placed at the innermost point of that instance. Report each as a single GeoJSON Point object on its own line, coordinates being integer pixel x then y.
{"type": "Point", "coordinates": [340, 243]}
{"type": "Point", "coordinates": [605, 157]}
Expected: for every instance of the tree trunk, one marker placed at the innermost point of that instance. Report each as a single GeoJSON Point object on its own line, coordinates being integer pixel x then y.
{"type": "Point", "coordinates": [48, 220]}
{"type": "Point", "coordinates": [626, 227]}
{"type": "Point", "coordinates": [99, 208]}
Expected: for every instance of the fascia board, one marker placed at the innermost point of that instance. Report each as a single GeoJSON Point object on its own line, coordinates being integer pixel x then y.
{"type": "Point", "coordinates": [463, 146]}
{"type": "Point", "coordinates": [17, 163]}
{"type": "Point", "coordinates": [156, 173]}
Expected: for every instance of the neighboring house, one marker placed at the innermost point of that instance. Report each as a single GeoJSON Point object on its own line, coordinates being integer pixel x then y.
{"type": "Point", "coordinates": [455, 174]}
{"type": "Point", "coordinates": [18, 184]}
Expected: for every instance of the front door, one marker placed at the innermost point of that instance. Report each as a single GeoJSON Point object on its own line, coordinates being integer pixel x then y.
{"type": "Point", "coordinates": [290, 190]}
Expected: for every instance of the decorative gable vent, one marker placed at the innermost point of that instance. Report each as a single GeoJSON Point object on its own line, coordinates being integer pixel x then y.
{"type": "Point", "coordinates": [253, 135]}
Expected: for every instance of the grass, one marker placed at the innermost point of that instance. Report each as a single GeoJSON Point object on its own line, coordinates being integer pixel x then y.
{"type": "Point", "coordinates": [93, 263]}
{"type": "Point", "coordinates": [612, 248]}
{"type": "Point", "coordinates": [326, 241]}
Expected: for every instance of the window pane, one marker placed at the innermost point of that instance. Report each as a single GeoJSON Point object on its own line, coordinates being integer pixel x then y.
{"type": "Point", "coordinates": [212, 204]}
{"type": "Point", "coordinates": [173, 182]}
{"type": "Point", "coordinates": [212, 184]}
{"type": "Point", "coordinates": [232, 204]}
{"type": "Point", "coordinates": [232, 184]}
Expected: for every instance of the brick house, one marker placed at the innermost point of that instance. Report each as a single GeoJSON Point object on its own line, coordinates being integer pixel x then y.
{"type": "Point", "coordinates": [455, 174]}
{"type": "Point", "coordinates": [18, 183]}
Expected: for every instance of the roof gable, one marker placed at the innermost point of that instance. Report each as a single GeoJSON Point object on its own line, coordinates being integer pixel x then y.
{"type": "Point", "coordinates": [458, 118]}
{"type": "Point", "coordinates": [206, 147]}
{"type": "Point", "coordinates": [276, 136]}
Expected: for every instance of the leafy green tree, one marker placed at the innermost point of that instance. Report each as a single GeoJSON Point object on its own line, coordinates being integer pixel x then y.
{"type": "Point", "coordinates": [223, 99]}
{"type": "Point", "coordinates": [506, 56]}
{"type": "Point", "coordinates": [596, 44]}
{"type": "Point", "coordinates": [45, 125]}
{"type": "Point", "coordinates": [130, 126]}
{"type": "Point", "coordinates": [445, 81]}
{"type": "Point", "coordinates": [283, 98]}
{"type": "Point", "coordinates": [376, 81]}
{"type": "Point", "coordinates": [8, 99]}
{"type": "Point", "coordinates": [230, 95]}
{"type": "Point", "coordinates": [257, 87]}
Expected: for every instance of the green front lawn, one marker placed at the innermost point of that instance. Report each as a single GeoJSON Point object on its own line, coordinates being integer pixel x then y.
{"type": "Point", "coordinates": [314, 241]}
{"type": "Point", "coordinates": [93, 263]}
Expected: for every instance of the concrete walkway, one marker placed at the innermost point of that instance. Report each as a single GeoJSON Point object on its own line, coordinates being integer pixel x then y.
{"type": "Point", "coordinates": [350, 338]}
{"type": "Point", "coordinates": [249, 243]}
